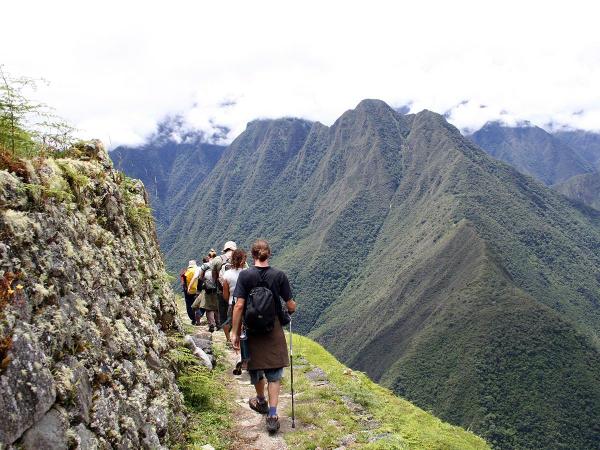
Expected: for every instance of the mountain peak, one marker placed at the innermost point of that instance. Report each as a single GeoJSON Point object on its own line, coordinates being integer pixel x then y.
{"type": "Point", "coordinates": [372, 103]}
{"type": "Point", "coordinates": [371, 106]}
{"type": "Point", "coordinates": [295, 121]}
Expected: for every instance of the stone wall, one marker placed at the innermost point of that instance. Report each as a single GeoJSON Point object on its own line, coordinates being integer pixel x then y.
{"type": "Point", "coordinates": [84, 307]}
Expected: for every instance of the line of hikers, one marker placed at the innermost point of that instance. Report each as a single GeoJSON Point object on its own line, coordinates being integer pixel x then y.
{"type": "Point", "coordinates": [251, 305]}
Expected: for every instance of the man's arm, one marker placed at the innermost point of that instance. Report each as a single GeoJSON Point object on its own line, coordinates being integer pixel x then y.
{"type": "Point", "coordinates": [184, 285]}
{"type": "Point", "coordinates": [236, 325]}
{"type": "Point", "coordinates": [198, 275]}
{"type": "Point", "coordinates": [286, 293]}
{"type": "Point", "coordinates": [215, 267]}
{"type": "Point", "coordinates": [226, 290]}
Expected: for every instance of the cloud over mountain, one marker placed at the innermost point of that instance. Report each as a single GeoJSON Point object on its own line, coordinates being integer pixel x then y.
{"type": "Point", "coordinates": [118, 69]}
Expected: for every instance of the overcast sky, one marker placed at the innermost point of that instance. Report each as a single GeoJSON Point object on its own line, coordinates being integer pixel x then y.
{"type": "Point", "coordinates": [118, 67]}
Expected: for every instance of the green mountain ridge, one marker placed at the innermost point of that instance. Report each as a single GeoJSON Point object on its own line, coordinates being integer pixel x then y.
{"type": "Point", "coordinates": [452, 278]}
{"type": "Point", "coordinates": [572, 157]}
{"type": "Point", "coordinates": [532, 151]}
{"type": "Point", "coordinates": [585, 143]}
{"type": "Point", "coordinates": [584, 188]}
{"type": "Point", "coordinates": [170, 171]}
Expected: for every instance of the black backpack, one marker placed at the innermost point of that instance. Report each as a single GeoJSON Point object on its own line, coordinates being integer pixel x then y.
{"type": "Point", "coordinates": [260, 310]}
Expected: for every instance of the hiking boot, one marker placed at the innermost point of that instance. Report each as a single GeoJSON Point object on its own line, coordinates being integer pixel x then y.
{"type": "Point", "coordinates": [273, 424]}
{"type": "Point", "coordinates": [211, 329]}
{"type": "Point", "coordinates": [259, 407]}
{"type": "Point", "coordinates": [238, 368]}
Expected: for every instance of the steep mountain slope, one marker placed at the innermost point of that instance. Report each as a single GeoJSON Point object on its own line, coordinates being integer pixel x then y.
{"type": "Point", "coordinates": [454, 279]}
{"type": "Point", "coordinates": [583, 188]}
{"type": "Point", "coordinates": [585, 143]}
{"type": "Point", "coordinates": [532, 151]}
{"type": "Point", "coordinates": [170, 170]}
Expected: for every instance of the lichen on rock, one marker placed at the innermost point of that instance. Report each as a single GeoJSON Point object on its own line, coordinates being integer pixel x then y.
{"type": "Point", "coordinates": [85, 308]}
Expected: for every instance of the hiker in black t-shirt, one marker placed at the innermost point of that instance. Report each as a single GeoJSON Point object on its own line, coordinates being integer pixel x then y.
{"type": "Point", "coordinates": [268, 350]}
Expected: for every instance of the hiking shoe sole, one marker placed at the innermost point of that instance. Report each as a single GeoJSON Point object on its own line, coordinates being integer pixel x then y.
{"type": "Point", "coordinates": [262, 408]}
{"type": "Point", "coordinates": [273, 424]}
{"type": "Point", "coordinates": [238, 369]}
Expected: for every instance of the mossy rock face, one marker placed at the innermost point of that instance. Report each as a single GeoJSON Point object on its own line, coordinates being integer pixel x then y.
{"type": "Point", "coordinates": [85, 307]}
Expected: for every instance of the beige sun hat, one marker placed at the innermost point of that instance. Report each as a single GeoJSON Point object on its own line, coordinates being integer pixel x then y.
{"type": "Point", "coordinates": [229, 245]}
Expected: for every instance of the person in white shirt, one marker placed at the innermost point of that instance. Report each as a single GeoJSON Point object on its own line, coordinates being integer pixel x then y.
{"type": "Point", "coordinates": [229, 280]}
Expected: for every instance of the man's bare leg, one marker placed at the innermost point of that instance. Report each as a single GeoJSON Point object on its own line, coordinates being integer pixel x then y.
{"type": "Point", "coordinates": [260, 388]}
{"type": "Point", "coordinates": [273, 389]}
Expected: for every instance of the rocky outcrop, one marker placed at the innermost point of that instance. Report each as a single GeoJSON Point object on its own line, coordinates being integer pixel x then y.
{"type": "Point", "coordinates": [85, 305]}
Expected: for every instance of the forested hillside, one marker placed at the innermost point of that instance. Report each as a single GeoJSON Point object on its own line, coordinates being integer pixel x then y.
{"type": "Point", "coordinates": [584, 188]}
{"type": "Point", "coordinates": [170, 169]}
{"type": "Point", "coordinates": [467, 287]}
{"type": "Point", "coordinates": [585, 143]}
{"type": "Point", "coordinates": [532, 151]}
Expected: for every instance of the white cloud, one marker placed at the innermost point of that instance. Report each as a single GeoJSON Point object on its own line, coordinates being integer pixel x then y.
{"type": "Point", "coordinates": [118, 67]}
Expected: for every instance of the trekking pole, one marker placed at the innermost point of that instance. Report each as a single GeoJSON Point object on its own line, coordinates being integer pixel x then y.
{"type": "Point", "coordinates": [292, 375]}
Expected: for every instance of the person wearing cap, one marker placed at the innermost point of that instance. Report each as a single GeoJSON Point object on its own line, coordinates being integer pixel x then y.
{"type": "Point", "coordinates": [222, 261]}
{"type": "Point", "coordinates": [190, 289]}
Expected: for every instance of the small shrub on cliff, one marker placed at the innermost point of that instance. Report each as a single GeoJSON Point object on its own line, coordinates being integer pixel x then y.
{"type": "Point", "coordinates": [28, 128]}
{"type": "Point", "coordinates": [12, 164]}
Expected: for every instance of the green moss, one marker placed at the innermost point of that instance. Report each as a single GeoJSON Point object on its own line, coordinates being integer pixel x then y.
{"type": "Point", "coordinates": [138, 213]}
{"type": "Point", "coordinates": [38, 192]}
{"type": "Point", "coordinates": [77, 181]}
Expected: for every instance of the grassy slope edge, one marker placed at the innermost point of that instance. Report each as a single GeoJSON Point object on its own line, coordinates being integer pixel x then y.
{"type": "Point", "coordinates": [350, 406]}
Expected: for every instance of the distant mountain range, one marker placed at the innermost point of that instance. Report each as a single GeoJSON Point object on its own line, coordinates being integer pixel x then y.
{"type": "Point", "coordinates": [532, 151]}
{"type": "Point", "coordinates": [467, 287]}
{"type": "Point", "coordinates": [568, 160]}
{"type": "Point", "coordinates": [171, 165]}
{"type": "Point", "coordinates": [585, 143]}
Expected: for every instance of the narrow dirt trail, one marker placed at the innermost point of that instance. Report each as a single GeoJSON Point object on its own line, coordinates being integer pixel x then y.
{"type": "Point", "coordinates": [249, 430]}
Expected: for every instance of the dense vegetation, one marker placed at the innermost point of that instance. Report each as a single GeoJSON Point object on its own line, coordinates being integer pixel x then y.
{"type": "Point", "coordinates": [28, 128]}
{"type": "Point", "coordinates": [422, 261]}
{"type": "Point", "coordinates": [583, 188]}
{"type": "Point", "coordinates": [171, 171]}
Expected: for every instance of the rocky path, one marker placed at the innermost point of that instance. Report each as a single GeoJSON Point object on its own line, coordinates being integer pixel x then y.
{"type": "Point", "coordinates": [249, 432]}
